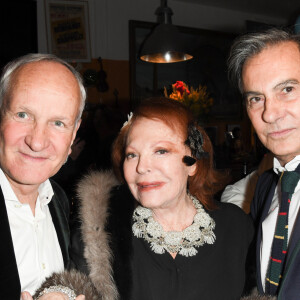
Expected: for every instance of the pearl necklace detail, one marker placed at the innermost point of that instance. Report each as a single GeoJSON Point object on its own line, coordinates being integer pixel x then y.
{"type": "Point", "coordinates": [182, 242]}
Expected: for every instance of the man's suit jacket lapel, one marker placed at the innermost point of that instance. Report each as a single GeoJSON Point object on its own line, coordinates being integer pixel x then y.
{"type": "Point", "coordinates": [10, 286]}
{"type": "Point", "coordinates": [61, 225]}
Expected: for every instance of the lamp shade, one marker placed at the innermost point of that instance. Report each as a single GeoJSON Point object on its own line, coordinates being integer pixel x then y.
{"type": "Point", "coordinates": [165, 45]}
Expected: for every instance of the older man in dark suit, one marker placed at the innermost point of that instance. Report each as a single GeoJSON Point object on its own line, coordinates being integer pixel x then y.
{"type": "Point", "coordinates": [41, 98]}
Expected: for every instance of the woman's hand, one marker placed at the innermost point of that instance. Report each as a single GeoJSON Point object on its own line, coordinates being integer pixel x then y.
{"type": "Point", "coordinates": [51, 296]}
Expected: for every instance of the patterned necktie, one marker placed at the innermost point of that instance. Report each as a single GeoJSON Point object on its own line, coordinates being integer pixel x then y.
{"type": "Point", "coordinates": [288, 181]}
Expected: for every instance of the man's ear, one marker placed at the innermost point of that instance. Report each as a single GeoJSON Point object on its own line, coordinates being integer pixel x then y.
{"type": "Point", "coordinates": [76, 129]}
{"type": "Point", "coordinates": [74, 134]}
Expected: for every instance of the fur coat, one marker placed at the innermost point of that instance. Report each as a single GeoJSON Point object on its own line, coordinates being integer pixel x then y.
{"type": "Point", "coordinates": [92, 244]}
{"type": "Point", "coordinates": [102, 234]}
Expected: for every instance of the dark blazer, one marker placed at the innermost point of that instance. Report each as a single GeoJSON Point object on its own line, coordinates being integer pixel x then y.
{"type": "Point", "coordinates": [10, 287]}
{"type": "Point", "coordinates": [290, 285]}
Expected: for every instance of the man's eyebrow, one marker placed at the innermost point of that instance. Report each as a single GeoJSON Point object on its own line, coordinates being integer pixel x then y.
{"type": "Point", "coordinates": [60, 118]}
{"type": "Point", "coordinates": [250, 93]}
{"type": "Point", "coordinates": [285, 83]}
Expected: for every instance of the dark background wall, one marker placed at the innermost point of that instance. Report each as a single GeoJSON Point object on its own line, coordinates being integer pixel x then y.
{"type": "Point", "coordinates": [18, 23]}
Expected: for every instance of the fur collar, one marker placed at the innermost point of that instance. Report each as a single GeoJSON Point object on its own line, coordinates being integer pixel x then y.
{"type": "Point", "coordinates": [94, 194]}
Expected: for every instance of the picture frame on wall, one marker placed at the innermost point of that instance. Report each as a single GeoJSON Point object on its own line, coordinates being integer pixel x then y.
{"type": "Point", "coordinates": [68, 33]}
{"type": "Point", "coordinates": [208, 68]}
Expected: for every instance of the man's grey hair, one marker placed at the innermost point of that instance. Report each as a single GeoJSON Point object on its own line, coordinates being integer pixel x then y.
{"type": "Point", "coordinates": [251, 44]}
{"type": "Point", "coordinates": [10, 69]}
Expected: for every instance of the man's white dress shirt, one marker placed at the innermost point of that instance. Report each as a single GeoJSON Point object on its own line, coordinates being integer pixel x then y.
{"type": "Point", "coordinates": [269, 224]}
{"type": "Point", "coordinates": [35, 241]}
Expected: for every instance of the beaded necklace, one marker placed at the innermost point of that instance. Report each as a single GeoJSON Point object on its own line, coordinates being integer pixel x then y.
{"type": "Point", "coordinates": [182, 242]}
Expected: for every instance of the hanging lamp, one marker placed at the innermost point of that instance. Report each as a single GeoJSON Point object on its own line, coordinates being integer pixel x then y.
{"type": "Point", "coordinates": [165, 44]}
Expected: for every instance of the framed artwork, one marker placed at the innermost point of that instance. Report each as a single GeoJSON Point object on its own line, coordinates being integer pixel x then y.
{"type": "Point", "coordinates": [208, 68]}
{"type": "Point", "coordinates": [68, 33]}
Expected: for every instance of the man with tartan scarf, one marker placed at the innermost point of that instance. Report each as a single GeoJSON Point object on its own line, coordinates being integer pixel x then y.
{"type": "Point", "coordinates": [266, 68]}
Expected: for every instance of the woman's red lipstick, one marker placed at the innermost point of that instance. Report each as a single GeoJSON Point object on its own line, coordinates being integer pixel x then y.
{"type": "Point", "coordinates": [148, 186]}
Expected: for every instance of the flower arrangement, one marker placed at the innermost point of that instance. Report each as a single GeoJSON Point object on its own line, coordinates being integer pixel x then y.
{"type": "Point", "coordinates": [198, 100]}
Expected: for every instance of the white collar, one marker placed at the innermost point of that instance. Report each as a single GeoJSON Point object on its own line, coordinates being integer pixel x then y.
{"type": "Point", "coordinates": [45, 190]}
{"type": "Point", "coordinates": [290, 166]}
